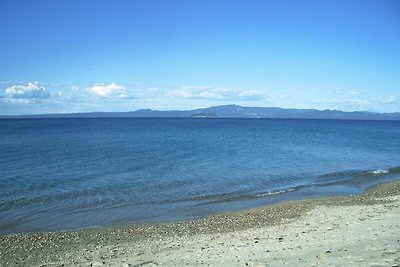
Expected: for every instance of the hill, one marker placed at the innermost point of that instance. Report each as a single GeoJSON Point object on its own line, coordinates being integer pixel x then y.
{"type": "Point", "coordinates": [229, 111]}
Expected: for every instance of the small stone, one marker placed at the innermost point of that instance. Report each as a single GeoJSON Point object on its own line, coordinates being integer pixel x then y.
{"type": "Point", "coordinates": [96, 263]}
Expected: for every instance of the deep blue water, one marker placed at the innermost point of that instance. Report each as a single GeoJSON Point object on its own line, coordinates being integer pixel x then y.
{"type": "Point", "coordinates": [59, 174]}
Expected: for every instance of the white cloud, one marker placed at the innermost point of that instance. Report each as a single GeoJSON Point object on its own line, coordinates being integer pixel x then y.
{"type": "Point", "coordinates": [216, 93]}
{"type": "Point", "coordinates": [108, 90]}
{"type": "Point", "coordinates": [17, 100]}
{"type": "Point", "coordinates": [75, 88]}
{"type": "Point", "coordinates": [29, 91]}
{"type": "Point", "coordinates": [284, 96]}
{"type": "Point", "coordinates": [324, 100]}
{"type": "Point", "coordinates": [196, 92]}
{"type": "Point", "coordinates": [353, 93]}
{"type": "Point", "coordinates": [359, 101]}
{"type": "Point", "coordinates": [391, 100]}
{"type": "Point", "coordinates": [341, 91]}
{"type": "Point", "coordinates": [248, 93]}
{"type": "Point", "coordinates": [341, 102]}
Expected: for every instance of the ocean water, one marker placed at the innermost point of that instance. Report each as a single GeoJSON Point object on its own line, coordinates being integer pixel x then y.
{"type": "Point", "coordinates": [62, 174]}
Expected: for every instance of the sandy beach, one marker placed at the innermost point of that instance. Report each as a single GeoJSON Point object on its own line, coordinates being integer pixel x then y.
{"type": "Point", "coordinates": [359, 230]}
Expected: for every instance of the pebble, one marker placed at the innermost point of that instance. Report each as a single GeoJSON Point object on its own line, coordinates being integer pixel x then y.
{"type": "Point", "coordinates": [25, 245]}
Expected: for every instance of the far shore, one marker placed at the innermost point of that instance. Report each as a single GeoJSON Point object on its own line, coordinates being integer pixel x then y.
{"type": "Point", "coordinates": [357, 230]}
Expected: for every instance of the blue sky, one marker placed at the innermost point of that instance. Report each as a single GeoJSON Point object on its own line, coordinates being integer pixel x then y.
{"type": "Point", "coordinates": [77, 56]}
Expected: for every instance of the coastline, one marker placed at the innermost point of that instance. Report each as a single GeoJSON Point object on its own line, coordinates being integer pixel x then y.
{"type": "Point", "coordinates": [358, 229]}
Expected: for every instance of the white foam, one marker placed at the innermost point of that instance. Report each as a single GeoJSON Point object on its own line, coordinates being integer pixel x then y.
{"type": "Point", "coordinates": [277, 192]}
{"type": "Point", "coordinates": [378, 171]}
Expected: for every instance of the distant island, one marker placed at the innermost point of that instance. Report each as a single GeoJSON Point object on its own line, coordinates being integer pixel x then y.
{"type": "Point", "coordinates": [228, 111]}
{"type": "Point", "coordinates": [204, 115]}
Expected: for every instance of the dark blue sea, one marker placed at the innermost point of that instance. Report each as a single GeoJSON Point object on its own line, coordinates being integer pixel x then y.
{"type": "Point", "coordinates": [62, 174]}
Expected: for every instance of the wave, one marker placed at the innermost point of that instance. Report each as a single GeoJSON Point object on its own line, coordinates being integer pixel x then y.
{"type": "Point", "coordinates": [327, 179]}
{"type": "Point", "coordinates": [357, 173]}
{"type": "Point", "coordinates": [358, 177]}
{"type": "Point", "coordinates": [378, 171]}
{"type": "Point", "coordinates": [227, 197]}
{"type": "Point", "coordinates": [278, 192]}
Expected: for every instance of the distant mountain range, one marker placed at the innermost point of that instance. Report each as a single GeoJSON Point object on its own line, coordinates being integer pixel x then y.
{"type": "Point", "coordinates": [229, 111]}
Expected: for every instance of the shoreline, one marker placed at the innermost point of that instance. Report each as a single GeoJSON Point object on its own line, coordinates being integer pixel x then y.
{"type": "Point", "coordinates": [201, 206]}
{"type": "Point", "coordinates": [176, 242]}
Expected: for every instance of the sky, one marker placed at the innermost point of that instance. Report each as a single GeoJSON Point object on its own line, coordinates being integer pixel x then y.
{"type": "Point", "coordinates": [95, 55]}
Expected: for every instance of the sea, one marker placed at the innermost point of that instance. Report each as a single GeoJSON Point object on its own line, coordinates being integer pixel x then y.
{"type": "Point", "coordinates": [66, 174]}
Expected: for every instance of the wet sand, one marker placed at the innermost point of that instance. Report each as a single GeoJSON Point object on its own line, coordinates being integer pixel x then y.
{"type": "Point", "coordinates": [360, 230]}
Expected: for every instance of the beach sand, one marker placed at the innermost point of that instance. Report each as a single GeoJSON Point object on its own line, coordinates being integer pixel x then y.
{"type": "Point", "coordinates": [361, 230]}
